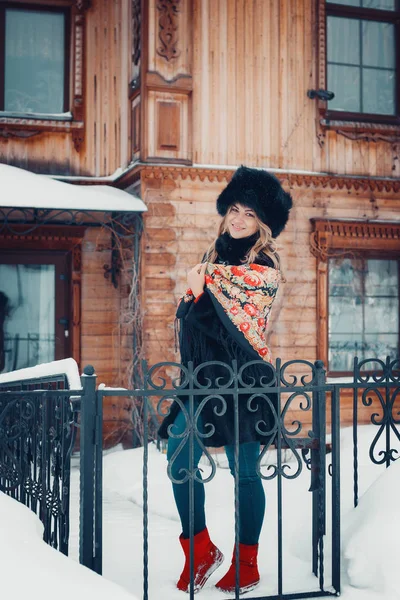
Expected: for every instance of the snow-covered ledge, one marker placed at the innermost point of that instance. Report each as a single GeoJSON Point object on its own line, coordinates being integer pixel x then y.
{"type": "Point", "coordinates": [67, 367]}
{"type": "Point", "coordinates": [339, 380]}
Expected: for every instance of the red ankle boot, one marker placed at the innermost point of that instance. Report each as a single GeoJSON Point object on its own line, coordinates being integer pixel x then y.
{"type": "Point", "coordinates": [249, 576]}
{"type": "Point", "coordinates": [207, 558]}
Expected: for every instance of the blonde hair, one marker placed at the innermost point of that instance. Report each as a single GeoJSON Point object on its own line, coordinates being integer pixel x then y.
{"type": "Point", "coordinates": [265, 244]}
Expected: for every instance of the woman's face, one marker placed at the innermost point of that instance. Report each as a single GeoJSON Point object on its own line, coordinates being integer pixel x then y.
{"type": "Point", "coordinates": [241, 221]}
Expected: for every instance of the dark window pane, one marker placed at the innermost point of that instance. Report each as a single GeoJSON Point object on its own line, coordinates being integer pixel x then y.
{"type": "Point", "coordinates": [34, 62]}
{"type": "Point", "coordinates": [343, 40]}
{"type": "Point", "coordinates": [346, 2]}
{"type": "Point", "coordinates": [342, 350]}
{"type": "Point", "coordinates": [345, 83]}
{"type": "Point", "coordinates": [381, 315]}
{"type": "Point", "coordinates": [345, 277]}
{"type": "Point", "coordinates": [379, 92]}
{"type": "Point", "coordinates": [381, 278]}
{"type": "Point", "coordinates": [378, 47]}
{"type": "Point", "coordinates": [27, 315]}
{"type": "Point", "coordinates": [379, 4]}
{"type": "Point", "coordinates": [345, 315]}
{"type": "Point", "coordinates": [363, 310]}
{"type": "Point", "coordinates": [381, 346]}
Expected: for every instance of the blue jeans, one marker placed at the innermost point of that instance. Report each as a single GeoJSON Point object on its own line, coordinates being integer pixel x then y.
{"type": "Point", "coordinates": [251, 491]}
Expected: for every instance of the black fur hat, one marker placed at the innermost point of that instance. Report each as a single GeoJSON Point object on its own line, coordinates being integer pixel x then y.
{"type": "Point", "coordinates": [260, 191]}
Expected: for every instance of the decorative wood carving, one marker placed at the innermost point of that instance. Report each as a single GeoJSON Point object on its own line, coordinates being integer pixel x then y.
{"type": "Point", "coordinates": [78, 137]}
{"type": "Point", "coordinates": [136, 29]}
{"type": "Point", "coordinates": [370, 132]}
{"type": "Point", "coordinates": [135, 121]}
{"type": "Point", "coordinates": [77, 257]}
{"type": "Point", "coordinates": [168, 29]}
{"type": "Point", "coordinates": [48, 237]}
{"type": "Point", "coordinates": [370, 137]}
{"type": "Point", "coordinates": [83, 4]}
{"type": "Point", "coordinates": [335, 237]}
{"type": "Point", "coordinates": [331, 182]}
{"type": "Point", "coordinates": [6, 132]}
{"type": "Point", "coordinates": [11, 127]}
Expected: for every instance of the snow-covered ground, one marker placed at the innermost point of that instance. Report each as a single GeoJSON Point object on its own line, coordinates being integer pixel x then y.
{"type": "Point", "coordinates": [370, 533]}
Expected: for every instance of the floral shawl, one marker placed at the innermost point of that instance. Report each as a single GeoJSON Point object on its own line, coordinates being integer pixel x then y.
{"type": "Point", "coordinates": [243, 296]}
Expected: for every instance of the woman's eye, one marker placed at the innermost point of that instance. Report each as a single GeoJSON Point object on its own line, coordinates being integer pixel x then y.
{"type": "Point", "coordinates": [249, 215]}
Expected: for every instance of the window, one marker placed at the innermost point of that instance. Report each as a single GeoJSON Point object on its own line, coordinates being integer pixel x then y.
{"type": "Point", "coordinates": [34, 311]}
{"type": "Point", "coordinates": [362, 37]}
{"type": "Point", "coordinates": [363, 309]}
{"type": "Point", "coordinates": [42, 68]}
{"type": "Point", "coordinates": [358, 282]}
{"type": "Point", "coordinates": [35, 61]}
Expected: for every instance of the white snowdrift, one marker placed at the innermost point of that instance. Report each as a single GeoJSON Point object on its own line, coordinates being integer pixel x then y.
{"type": "Point", "coordinates": [67, 366]}
{"type": "Point", "coordinates": [372, 536]}
{"type": "Point", "coordinates": [31, 568]}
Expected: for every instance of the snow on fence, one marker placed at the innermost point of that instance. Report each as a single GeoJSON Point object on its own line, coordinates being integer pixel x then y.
{"type": "Point", "coordinates": [40, 414]}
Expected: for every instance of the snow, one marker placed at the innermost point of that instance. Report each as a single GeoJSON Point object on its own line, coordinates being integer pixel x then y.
{"type": "Point", "coordinates": [373, 563]}
{"type": "Point", "coordinates": [67, 366]}
{"type": "Point", "coordinates": [370, 532]}
{"type": "Point", "coordinates": [31, 568]}
{"type": "Point", "coordinates": [48, 193]}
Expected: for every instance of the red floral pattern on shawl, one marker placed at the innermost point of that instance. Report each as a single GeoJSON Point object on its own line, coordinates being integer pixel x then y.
{"type": "Point", "coordinates": [246, 293]}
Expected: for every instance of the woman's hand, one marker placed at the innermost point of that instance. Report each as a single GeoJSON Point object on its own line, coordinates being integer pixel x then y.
{"type": "Point", "coordinates": [196, 279]}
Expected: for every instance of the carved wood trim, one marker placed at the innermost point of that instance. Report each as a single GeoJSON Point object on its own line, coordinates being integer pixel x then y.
{"type": "Point", "coordinates": [26, 127]}
{"type": "Point", "coordinates": [345, 238]}
{"type": "Point", "coordinates": [180, 83]}
{"type": "Point", "coordinates": [335, 237]}
{"type": "Point", "coordinates": [369, 132]}
{"type": "Point", "coordinates": [322, 311]}
{"type": "Point", "coordinates": [301, 180]}
{"type": "Point", "coordinates": [136, 31]}
{"type": "Point", "coordinates": [168, 29]}
{"type": "Point", "coordinates": [49, 237]}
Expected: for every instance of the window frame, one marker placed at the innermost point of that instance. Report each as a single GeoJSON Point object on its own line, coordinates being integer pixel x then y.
{"type": "Point", "coordinates": [342, 121]}
{"type": "Point", "coordinates": [4, 6]}
{"type": "Point", "coordinates": [47, 240]}
{"type": "Point", "coordinates": [333, 237]}
{"type": "Point", "coordinates": [23, 126]}
{"type": "Point", "coordinates": [363, 255]}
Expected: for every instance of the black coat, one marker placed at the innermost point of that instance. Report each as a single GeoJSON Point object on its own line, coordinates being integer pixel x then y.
{"type": "Point", "coordinates": [204, 337]}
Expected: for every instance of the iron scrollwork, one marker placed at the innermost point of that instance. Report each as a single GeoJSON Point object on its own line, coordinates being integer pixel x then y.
{"type": "Point", "coordinates": [37, 434]}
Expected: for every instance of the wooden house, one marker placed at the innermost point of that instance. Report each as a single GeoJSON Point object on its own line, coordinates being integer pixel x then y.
{"type": "Point", "coordinates": [165, 99]}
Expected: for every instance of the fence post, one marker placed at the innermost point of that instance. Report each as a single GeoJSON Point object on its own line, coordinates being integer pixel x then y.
{"type": "Point", "coordinates": [87, 468]}
{"type": "Point", "coordinates": [318, 472]}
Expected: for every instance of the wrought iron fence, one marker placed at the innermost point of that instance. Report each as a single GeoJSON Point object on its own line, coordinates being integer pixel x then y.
{"type": "Point", "coordinates": [37, 434]}
{"type": "Point", "coordinates": [36, 439]}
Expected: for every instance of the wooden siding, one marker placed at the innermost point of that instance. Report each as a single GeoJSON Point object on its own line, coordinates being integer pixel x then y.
{"type": "Point", "coordinates": [108, 72]}
{"type": "Point", "coordinates": [253, 64]}
{"type": "Point", "coordinates": [106, 336]}
{"type": "Point", "coordinates": [181, 223]}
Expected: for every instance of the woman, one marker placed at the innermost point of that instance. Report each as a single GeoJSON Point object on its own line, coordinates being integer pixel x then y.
{"type": "Point", "coordinates": [223, 316]}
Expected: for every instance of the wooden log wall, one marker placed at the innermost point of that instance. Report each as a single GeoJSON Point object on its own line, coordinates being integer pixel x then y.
{"type": "Point", "coordinates": [108, 66]}
{"type": "Point", "coordinates": [106, 332]}
{"type": "Point", "coordinates": [181, 223]}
